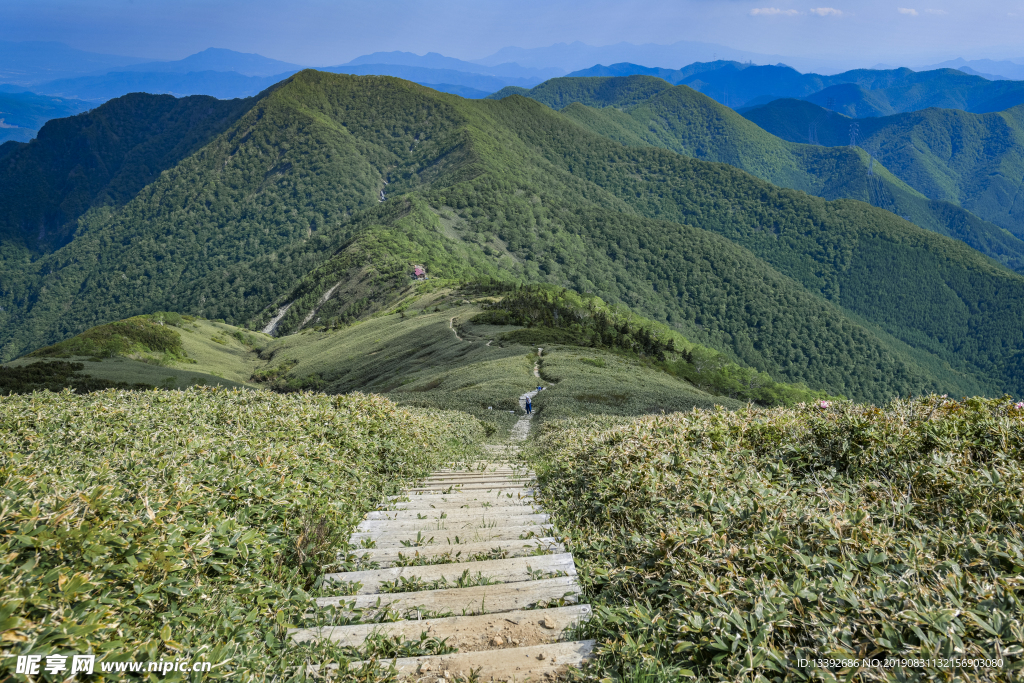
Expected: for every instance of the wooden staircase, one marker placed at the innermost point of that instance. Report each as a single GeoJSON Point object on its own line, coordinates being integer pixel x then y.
{"type": "Point", "coordinates": [511, 618]}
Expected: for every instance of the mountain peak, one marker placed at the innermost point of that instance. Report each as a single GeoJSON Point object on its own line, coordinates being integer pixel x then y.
{"type": "Point", "coordinates": [220, 59]}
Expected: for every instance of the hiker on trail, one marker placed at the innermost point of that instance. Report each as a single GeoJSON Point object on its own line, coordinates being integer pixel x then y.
{"type": "Point", "coordinates": [529, 406]}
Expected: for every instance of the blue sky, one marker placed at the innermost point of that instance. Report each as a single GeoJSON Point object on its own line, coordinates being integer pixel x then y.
{"type": "Point", "coordinates": [323, 32]}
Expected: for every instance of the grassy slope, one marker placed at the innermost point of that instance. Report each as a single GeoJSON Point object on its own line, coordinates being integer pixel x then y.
{"type": "Point", "coordinates": [643, 110]}
{"type": "Point", "coordinates": [974, 160]}
{"type": "Point", "coordinates": [194, 523]}
{"type": "Point", "coordinates": [214, 356]}
{"type": "Point", "coordinates": [730, 546]}
{"type": "Point", "coordinates": [415, 358]}
{"type": "Point", "coordinates": [283, 206]}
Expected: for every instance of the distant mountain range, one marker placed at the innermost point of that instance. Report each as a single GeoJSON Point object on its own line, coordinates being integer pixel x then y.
{"type": "Point", "coordinates": [22, 114]}
{"type": "Point", "coordinates": [433, 60]}
{"type": "Point", "coordinates": [227, 74]}
{"type": "Point", "coordinates": [219, 59]}
{"type": "Point", "coordinates": [428, 76]}
{"type": "Point", "coordinates": [989, 68]}
{"type": "Point", "coordinates": [28, 63]}
{"type": "Point", "coordinates": [577, 55]}
{"type": "Point", "coordinates": [224, 85]}
{"type": "Point", "coordinates": [55, 70]}
{"type": "Point", "coordinates": [857, 93]}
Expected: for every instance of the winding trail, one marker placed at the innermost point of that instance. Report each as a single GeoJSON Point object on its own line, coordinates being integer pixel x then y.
{"type": "Point", "coordinates": [451, 326]}
{"type": "Point", "coordinates": [521, 429]}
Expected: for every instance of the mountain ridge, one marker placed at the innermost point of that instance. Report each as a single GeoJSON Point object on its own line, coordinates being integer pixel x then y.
{"type": "Point", "coordinates": [645, 110]}
{"type": "Point", "coordinates": [282, 207]}
{"type": "Point", "coordinates": [972, 160]}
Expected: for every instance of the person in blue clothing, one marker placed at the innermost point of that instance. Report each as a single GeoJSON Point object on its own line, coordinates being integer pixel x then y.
{"type": "Point", "coordinates": [529, 406]}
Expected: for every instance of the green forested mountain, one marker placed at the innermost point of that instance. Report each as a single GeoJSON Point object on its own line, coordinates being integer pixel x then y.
{"type": "Point", "coordinates": [621, 93]}
{"type": "Point", "coordinates": [643, 110]}
{"type": "Point", "coordinates": [973, 160]}
{"type": "Point", "coordinates": [98, 159]}
{"type": "Point", "coordinates": [278, 217]}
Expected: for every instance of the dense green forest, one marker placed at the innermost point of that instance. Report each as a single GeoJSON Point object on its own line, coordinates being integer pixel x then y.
{"type": "Point", "coordinates": [647, 111]}
{"type": "Point", "coordinates": [102, 158]}
{"type": "Point", "coordinates": [281, 209]}
{"type": "Point", "coordinates": [973, 160]}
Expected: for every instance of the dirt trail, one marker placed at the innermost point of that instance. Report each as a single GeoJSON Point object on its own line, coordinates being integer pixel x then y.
{"type": "Point", "coordinates": [451, 326]}
{"type": "Point", "coordinates": [521, 429]}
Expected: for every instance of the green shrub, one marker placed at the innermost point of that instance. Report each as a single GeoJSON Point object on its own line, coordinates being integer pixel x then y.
{"type": "Point", "coordinates": [122, 338]}
{"type": "Point", "coordinates": [731, 545]}
{"type": "Point", "coordinates": [192, 524]}
{"type": "Point", "coordinates": [55, 375]}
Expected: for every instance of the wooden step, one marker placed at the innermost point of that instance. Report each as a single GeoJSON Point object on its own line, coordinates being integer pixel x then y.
{"type": "Point", "coordinates": [492, 512]}
{"type": "Point", "coordinates": [509, 471]}
{"type": "Point", "coordinates": [520, 475]}
{"type": "Point", "coordinates": [518, 628]}
{"type": "Point", "coordinates": [487, 473]}
{"type": "Point", "coordinates": [481, 466]}
{"type": "Point", "coordinates": [426, 537]}
{"type": "Point", "coordinates": [503, 597]}
{"type": "Point", "coordinates": [492, 472]}
{"type": "Point", "coordinates": [498, 571]}
{"type": "Point", "coordinates": [387, 557]}
{"type": "Point", "coordinates": [493, 495]}
{"type": "Point", "coordinates": [456, 502]}
{"type": "Point", "coordinates": [466, 486]}
{"type": "Point", "coordinates": [486, 492]}
{"type": "Point", "coordinates": [519, 664]}
{"type": "Point", "coordinates": [476, 521]}
{"type": "Point", "coordinates": [475, 479]}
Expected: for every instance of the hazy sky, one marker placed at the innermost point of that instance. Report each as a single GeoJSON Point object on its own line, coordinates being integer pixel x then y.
{"type": "Point", "coordinates": [324, 32]}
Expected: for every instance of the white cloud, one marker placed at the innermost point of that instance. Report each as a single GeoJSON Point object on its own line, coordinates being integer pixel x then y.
{"type": "Point", "coordinates": [826, 11]}
{"type": "Point", "coordinates": [768, 11]}
{"type": "Point", "coordinates": [907, 10]}
{"type": "Point", "coordinates": [935, 11]}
